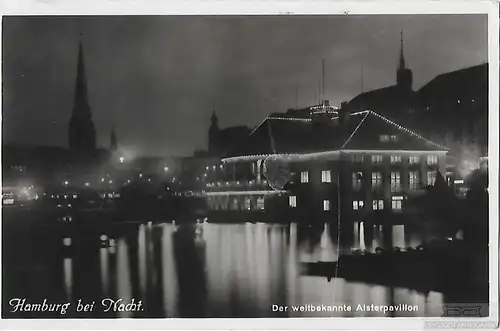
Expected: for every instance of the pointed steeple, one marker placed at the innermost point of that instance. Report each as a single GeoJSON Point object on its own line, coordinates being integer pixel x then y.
{"type": "Point", "coordinates": [404, 76]}
{"type": "Point", "coordinates": [82, 108]}
{"type": "Point", "coordinates": [81, 128]}
{"type": "Point", "coordinates": [213, 134]}
{"type": "Point", "coordinates": [113, 140]}
{"type": "Point", "coordinates": [402, 64]}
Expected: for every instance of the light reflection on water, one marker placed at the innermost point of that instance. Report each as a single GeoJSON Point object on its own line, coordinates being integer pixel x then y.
{"type": "Point", "coordinates": [238, 270]}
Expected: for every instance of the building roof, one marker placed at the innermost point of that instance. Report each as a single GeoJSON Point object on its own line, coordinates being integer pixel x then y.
{"type": "Point", "coordinates": [359, 131]}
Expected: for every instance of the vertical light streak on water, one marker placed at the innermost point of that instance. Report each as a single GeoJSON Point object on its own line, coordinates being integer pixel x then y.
{"type": "Point", "coordinates": [211, 250]}
{"type": "Point", "coordinates": [434, 304]}
{"type": "Point", "coordinates": [169, 280]}
{"type": "Point", "coordinates": [249, 260]}
{"type": "Point", "coordinates": [151, 265]}
{"type": "Point", "coordinates": [398, 236]}
{"type": "Point", "coordinates": [360, 296]}
{"type": "Point", "coordinates": [68, 277]}
{"type": "Point", "coordinates": [356, 235]}
{"type": "Point", "coordinates": [379, 296]}
{"type": "Point", "coordinates": [104, 259]}
{"type": "Point", "coordinates": [375, 238]}
{"type": "Point", "coordinates": [223, 263]}
{"type": "Point", "coordinates": [381, 236]}
{"type": "Point", "coordinates": [142, 261]}
{"type": "Point", "coordinates": [124, 288]}
{"type": "Point", "coordinates": [292, 267]}
{"type": "Point", "coordinates": [417, 299]}
{"type": "Point", "coordinates": [362, 236]}
{"type": "Point", "coordinates": [276, 262]}
{"type": "Point", "coordinates": [261, 262]}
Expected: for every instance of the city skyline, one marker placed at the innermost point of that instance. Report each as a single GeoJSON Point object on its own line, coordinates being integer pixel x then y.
{"type": "Point", "coordinates": [144, 77]}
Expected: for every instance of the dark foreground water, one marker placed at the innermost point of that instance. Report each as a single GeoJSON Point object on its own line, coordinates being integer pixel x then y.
{"type": "Point", "coordinates": [207, 270]}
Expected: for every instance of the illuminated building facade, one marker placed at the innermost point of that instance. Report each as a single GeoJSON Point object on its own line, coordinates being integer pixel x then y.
{"type": "Point", "coordinates": [353, 167]}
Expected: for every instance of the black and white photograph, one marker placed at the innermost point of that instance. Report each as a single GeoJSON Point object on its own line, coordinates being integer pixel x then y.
{"type": "Point", "coordinates": [247, 166]}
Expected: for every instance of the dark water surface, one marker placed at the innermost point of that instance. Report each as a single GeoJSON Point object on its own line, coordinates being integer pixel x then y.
{"type": "Point", "coordinates": [205, 270]}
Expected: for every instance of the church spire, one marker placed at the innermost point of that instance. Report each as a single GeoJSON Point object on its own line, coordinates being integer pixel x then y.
{"type": "Point", "coordinates": [81, 128]}
{"type": "Point", "coordinates": [81, 97]}
{"type": "Point", "coordinates": [402, 64]}
{"type": "Point", "coordinates": [404, 76]}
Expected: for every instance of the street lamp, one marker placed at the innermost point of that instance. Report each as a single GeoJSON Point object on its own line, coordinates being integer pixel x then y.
{"type": "Point", "coordinates": [122, 159]}
{"type": "Point", "coordinates": [165, 168]}
{"type": "Point", "coordinates": [87, 184]}
{"type": "Point", "coordinates": [66, 183]}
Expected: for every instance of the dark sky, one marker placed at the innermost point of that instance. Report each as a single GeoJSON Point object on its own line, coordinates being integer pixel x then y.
{"type": "Point", "coordinates": [157, 79]}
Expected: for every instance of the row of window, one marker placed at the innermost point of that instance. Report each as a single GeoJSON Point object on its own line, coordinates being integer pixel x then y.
{"type": "Point", "coordinates": [396, 203]}
{"type": "Point", "coordinates": [326, 175]}
{"type": "Point", "coordinates": [414, 180]}
{"type": "Point", "coordinates": [357, 179]}
{"type": "Point", "coordinates": [396, 159]}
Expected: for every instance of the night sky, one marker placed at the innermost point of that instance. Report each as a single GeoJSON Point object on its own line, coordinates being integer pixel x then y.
{"type": "Point", "coordinates": [157, 79]}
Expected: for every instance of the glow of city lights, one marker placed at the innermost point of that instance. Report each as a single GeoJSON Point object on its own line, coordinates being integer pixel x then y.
{"type": "Point", "coordinates": [102, 180]}
{"type": "Point", "coordinates": [140, 175]}
{"type": "Point", "coordinates": [111, 181]}
{"type": "Point", "coordinates": [207, 168]}
{"type": "Point", "coordinates": [458, 181]}
{"type": "Point", "coordinates": [87, 184]}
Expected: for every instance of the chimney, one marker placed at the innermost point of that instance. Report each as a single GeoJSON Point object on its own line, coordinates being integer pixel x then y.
{"type": "Point", "coordinates": [344, 112]}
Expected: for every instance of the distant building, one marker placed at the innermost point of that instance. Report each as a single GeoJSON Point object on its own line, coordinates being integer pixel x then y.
{"type": "Point", "coordinates": [453, 107]}
{"type": "Point", "coordinates": [82, 135]}
{"type": "Point", "coordinates": [223, 141]}
{"type": "Point", "coordinates": [358, 167]}
{"type": "Point", "coordinates": [393, 101]}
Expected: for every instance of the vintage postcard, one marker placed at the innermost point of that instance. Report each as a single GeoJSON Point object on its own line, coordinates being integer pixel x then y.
{"type": "Point", "coordinates": [250, 165]}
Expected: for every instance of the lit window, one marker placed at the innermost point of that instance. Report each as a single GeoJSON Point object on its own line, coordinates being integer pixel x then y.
{"type": "Point", "coordinates": [248, 203]}
{"type": "Point", "coordinates": [432, 159]}
{"type": "Point", "coordinates": [357, 180]}
{"type": "Point", "coordinates": [414, 180]}
{"type": "Point", "coordinates": [394, 138]}
{"type": "Point", "coordinates": [326, 176]}
{"type": "Point", "coordinates": [304, 177]}
{"type": "Point", "coordinates": [431, 177]}
{"type": "Point", "coordinates": [377, 159]}
{"type": "Point", "coordinates": [292, 201]}
{"type": "Point", "coordinates": [397, 204]}
{"type": "Point", "coordinates": [260, 203]}
{"type": "Point", "coordinates": [414, 159]}
{"type": "Point", "coordinates": [357, 158]}
{"type": "Point", "coordinates": [376, 180]}
{"type": "Point", "coordinates": [395, 182]}
{"type": "Point", "coordinates": [326, 205]}
{"type": "Point", "coordinates": [384, 138]}
{"type": "Point", "coordinates": [395, 159]}
{"type": "Point", "coordinates": [378, 204]}
{"type": "Point", "coordinates": [356, 205]}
